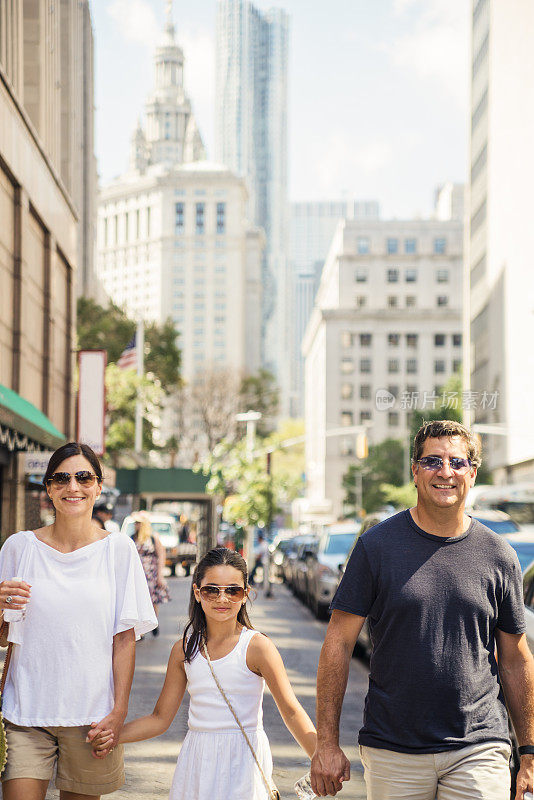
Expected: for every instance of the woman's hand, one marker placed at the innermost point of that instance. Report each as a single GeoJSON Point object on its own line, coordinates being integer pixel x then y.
{"type": "Point", "coordinates": [112, 724]}
{"type": "Point", "coordinates": [102, 744]}
{"type": "Point", "coordinates": [14, 594]}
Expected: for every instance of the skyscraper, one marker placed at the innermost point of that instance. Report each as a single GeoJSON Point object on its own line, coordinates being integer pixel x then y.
{"type": "Point", "coordinates": [251, 139]}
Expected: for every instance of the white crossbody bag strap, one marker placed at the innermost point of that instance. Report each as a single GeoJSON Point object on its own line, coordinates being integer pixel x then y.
{"type": "Point", "coordinates": [273, 792]}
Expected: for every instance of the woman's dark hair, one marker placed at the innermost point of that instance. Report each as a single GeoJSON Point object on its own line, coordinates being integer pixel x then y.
{"type": "Point", "coordinates": [73, 449]}
{"type": "Point", "coordinates": [195, 630]}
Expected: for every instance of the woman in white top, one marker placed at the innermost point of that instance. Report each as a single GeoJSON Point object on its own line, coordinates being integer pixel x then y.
{"type": "Point", "coordinates": [215, 762]}
{"type": "Point", "coordinates": [82, 602]}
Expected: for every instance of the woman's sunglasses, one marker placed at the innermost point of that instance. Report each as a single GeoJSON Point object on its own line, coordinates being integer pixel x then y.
{"type": "Point", "coordinates": [234, 593]}
{"type": "Point", "coordinates": [83, 478]}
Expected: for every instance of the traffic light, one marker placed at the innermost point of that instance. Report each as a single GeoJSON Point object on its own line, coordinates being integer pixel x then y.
{"type": "Point", "coordinates": [362, 447]}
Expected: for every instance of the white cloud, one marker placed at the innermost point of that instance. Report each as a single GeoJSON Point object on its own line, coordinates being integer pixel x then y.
{"type": "Point", "coordinates": [436, 45]}
{"type": "Point", "coordinates": [199, 77]}
{"type": "Point", "coordinates": [136, 20]}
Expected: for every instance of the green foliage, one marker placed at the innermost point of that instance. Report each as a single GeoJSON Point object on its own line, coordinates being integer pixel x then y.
{"type": "Point", "coordinates": [100, 328]}
{"type": "Point", "coordinates": [260, 393]}
{"type": "Point", "coordinates": [400, 496]}
{"type": "Point", "coordinates": [383, 465]}
{"type": "Point", "coordinates": [448, 406]}
{"type": "Point", "coordinates": [123, 388]}
{"type": "Point", "coordinates": [163, 358]}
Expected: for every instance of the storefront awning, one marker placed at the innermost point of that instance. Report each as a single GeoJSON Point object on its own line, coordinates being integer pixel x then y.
{"type": "Point", "coordinates": [20, 420]}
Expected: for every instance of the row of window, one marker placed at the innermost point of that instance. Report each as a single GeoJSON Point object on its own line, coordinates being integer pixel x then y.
{"type": "Point", "coordinates": [394, 301]}
{"type": "Point", "coordinates": [361, 275]}
{"type": "Point", "coordinates": [366, 391]}
{"type": "Point", "coordinates": [347, 420]}
{"type": "Point", "coordinates": [349, 339]}
{"type": "Point", "coordinates": [200, 218]}
{"type": "Point", "coordinates": [393, 245]}
{"type": "Point", "coordinates": [394, 365]}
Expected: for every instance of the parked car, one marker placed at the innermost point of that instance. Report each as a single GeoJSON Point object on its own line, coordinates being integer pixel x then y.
{"type": "Point", "coordinates": [167, 528]}
{"type": "Point", "coordinates": [290, 556]}
{"type": "Point", "coordinates": [278, 549]}
{"type": "Point", "coordinates": [324, 563]}
{"type": "Point", "coordinates": [497, 521]}
{"type": "Point", "coordinates": [305, 555]}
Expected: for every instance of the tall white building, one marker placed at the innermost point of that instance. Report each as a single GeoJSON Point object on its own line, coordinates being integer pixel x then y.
{"type": "Point", "coordinates": [384, 336]}
{"type": "Point", "coordinates": [173, 236]}
{"type": "Point", "coordinates": [251, 138]}
{"type": "Point", "coordinates": [312, 226]}
{"type": "Point", "coordinates": [501, 233]}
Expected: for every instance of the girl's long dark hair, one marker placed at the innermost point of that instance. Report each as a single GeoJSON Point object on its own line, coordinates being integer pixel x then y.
{"type": "Point", "coordinates": [196, 630]}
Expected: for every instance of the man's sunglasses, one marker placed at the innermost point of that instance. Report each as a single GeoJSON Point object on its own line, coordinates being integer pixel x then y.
{"type": "Point", "coordinates": [434, 463]}
{"type": "Point", "coordinates": [234, 593]}
{"type": "Point", "coordinates": [83, 478]}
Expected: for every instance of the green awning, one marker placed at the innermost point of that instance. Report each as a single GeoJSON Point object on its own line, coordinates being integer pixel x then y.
{"type": "Point", "coordinates": [23, 417]}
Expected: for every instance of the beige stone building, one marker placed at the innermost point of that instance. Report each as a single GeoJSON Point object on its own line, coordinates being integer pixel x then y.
{"type": "Point", "coordinates": [41, 202]}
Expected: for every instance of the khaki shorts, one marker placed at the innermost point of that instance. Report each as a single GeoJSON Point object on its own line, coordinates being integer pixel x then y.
{"type": "Point", "coordinates": [34, 752]}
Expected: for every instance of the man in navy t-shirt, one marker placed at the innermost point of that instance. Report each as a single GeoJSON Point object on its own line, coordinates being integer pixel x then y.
{"type": "Point", "coordinates": [442, 593]}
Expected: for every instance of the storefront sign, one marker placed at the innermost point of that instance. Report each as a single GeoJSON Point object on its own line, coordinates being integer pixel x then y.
{"type": "Point", "coordinates": [92, 399]}
{"type": "Point", "coordinates": [36, 463]}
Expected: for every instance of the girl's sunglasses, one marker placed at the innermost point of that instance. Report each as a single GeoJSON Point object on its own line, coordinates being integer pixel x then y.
{"type": "Point", "coordinates": [234, 593]}
{"type": "Point", "coordinates": [83, 478]}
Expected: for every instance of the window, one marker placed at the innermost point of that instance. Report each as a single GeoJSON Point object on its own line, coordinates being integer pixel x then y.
{"type": "Point", "coordinates": [361, 274]}
{"type": "Point", "coordinates": [221, 217]}
{"type": "Point", "coordinates": [361, 301]}
{"type": "Point", "coordinates": [347, 339]}
{"type": "Point", "coordinates": [439, 339]}
{"type": "Point", "coordinates": [412, 339]}
{"type": "Point", "coordinates": [442, 300]}
{"type": "Point", "coordinates": [410, 276]}
{"type": "Point", "coordinates": [347, 391]}
{"type": "Point", "coordinates": [393, 339]}
{"type": "Point", "coordinates": [393, 418]}
{"type": "Point", "coordinates": [393, 275]}
{"type": "Point", "coordinates": [365, 416]}
{"type": "Point", "coordinates": [365, 391]}
{"type": "Point", "coordinates": [394, 390]}
{"type": "Point", "coordinates": [439, 366]}
{"type": "Point", "coordinates": [346, 446]}
{"type": "Point", "coordinates": [347, 418]}
{"type": "Point", "coordinates": [442, 276]}
{"type": "Point", "coordinates": [457, 365]}
{"type": "Point", "coordinates": [411, 301]}
{"type": "Point", "coordinates": [365, 365]}
{"type": "Point", "coordinates": [392, 246]}
{"type": "Point", "coordinates": [347, 365]}
{"type": "Point", "coordinates": [410, 246]}
{"type": "Point", "coordinates": [148, 231]}
{"type": "Point", "coordinates": [457, 339]}
{"type": "Point", "coordinates": [393, 301]}
{"type": "Point", "coordinates": [362, 245]}
{"type": "Point", "coordinates": [411, 366]}
{"type": "Point", "coordinates": [393, 365]}
{"type": "Point", "coordinates": [199, 219]}
{"type": "Point", "coordinates": [178, 218]}
{"type": "Point", "coordinates": [365, 339]}
{"type": "Point", "coordinates": [440, 246]}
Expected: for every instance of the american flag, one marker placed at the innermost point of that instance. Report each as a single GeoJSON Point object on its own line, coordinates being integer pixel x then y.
{"type": "Point", "coordinates": [128, 359]}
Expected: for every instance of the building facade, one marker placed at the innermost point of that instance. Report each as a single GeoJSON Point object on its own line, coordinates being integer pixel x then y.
{"type": "Point", "coordinates": [384, 336]}
{"type": "Point", "coordinates": [173, 236]}
{"type": "Point", "coordinates": [312, 226]}
{"type": "Point", "coordinates": [251, 139]}
{"type": "Point", "coordinates": [500, 234]}
{"type": "Point", "coordinates": [38, 248]}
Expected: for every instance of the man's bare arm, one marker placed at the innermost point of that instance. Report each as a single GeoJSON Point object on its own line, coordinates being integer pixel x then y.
{"type": "Point", "coordinates": [330, 766]}
{"type": "Point", "coordinates": [516, 670]}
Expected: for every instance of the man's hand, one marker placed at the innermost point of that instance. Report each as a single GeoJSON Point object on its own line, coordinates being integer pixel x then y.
{"type": "Point", "coordinates": [102, 744]}
{"type": "Point", "coordinates": [329, 768]}
{"type": "Point", "coordinates": [525, 776]}
{"type": "Point", "coordinates": [112, 724]}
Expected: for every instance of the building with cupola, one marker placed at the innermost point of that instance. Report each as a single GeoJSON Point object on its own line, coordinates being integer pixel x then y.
{"type": "Point", "coordinates": [173, 237]}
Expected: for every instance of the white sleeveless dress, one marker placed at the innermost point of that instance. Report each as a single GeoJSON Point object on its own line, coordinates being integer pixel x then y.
{"type": "Point", "coordinates": [215, 762]}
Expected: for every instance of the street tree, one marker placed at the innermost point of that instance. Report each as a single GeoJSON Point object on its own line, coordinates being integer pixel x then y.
{"type": "Point", "coordinates": [259, 392]}
{"type": "Point", "coordinates": [383, 465]}
{"type": "Point", "coordinates": [100, 328]}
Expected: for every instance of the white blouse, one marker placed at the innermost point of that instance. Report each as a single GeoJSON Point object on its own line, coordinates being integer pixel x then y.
{"type": "Point", "coordinates": [61, 672]}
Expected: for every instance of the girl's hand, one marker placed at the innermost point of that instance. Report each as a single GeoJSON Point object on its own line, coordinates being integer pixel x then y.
{"type": "Point", "coordinates": [113, 723]}
{"type": "Point", "coordinates": [14, 595]}
{"type": "Point", "coordinates": [102, 744]}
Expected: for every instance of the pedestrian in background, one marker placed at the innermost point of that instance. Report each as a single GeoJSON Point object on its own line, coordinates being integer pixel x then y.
{"type": "Point", "coordinates": [82, 601]}
{"type": "Point", "coordinates": [152, 554]}
{"type": "Point", "coordinates": [261, 553]}
{"type": "Point", "coordinates": [442, 594]}
{"type": "Point", "coordinates": [215, 760]}
{"type": "Point", "coordinates": [103, 515]}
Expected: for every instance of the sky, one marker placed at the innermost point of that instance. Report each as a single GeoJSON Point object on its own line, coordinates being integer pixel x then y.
{"type": "Point", "coordinates": [378, 91]}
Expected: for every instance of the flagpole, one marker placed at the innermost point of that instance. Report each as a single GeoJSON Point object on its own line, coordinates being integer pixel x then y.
{"type": "Point", "coordinates": [140, 341]}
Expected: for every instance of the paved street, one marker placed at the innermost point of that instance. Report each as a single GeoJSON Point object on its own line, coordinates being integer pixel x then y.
{"type": "Point", "coordinates": [150, 765]}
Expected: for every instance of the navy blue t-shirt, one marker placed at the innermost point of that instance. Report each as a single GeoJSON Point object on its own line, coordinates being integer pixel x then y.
{"type": "Point", "coordinates": [433, 605]}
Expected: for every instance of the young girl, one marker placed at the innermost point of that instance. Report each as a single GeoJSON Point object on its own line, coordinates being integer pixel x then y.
{"type": "Point", "coordinates": [215, 762]}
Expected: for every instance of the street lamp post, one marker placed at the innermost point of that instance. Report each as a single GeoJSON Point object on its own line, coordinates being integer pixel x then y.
{"type": "Point", "coordinates": [251, 418]}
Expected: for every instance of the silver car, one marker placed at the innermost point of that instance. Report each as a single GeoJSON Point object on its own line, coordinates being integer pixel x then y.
{"type": "Point", "coordinates": [324, 565]}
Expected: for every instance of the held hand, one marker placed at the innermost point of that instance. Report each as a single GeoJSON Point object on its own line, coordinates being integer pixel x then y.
{"type": "Point", "coordinates": [102, 744]}
{"type": "Point", "coordinates": [113, 722]}
{"type": "Point", "coordinates": [329, 768]}
{"type": "Point", "coordinates": [14, 595]}
{"type": "Point", "coordinates": [525, 776]}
